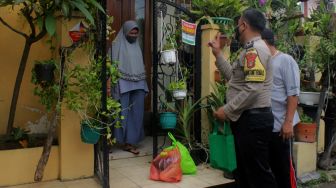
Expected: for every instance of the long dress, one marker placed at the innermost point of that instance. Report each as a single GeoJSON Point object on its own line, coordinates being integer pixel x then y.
{"type": "Point", "coordinates": [131, 88]}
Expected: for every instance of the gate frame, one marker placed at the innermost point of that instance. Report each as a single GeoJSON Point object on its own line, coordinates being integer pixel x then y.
{"type": "Point", "coordinates": [155, 61]}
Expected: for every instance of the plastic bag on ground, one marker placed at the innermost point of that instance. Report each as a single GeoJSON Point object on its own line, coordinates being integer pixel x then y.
{"type": "Point", "coordinates": [166, 166]}
{"type": "Point", "coordinates": [187, 163]}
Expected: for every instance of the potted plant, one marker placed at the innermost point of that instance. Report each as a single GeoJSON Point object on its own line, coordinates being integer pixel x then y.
{"type": "Point", "coordinates": [215, 100]}
{"type": "Point", "coordinates": [218, 9]}
{"type": "Point", "coordinates": [43, 71]}
{"type": "Point", "coordinates": [185, 111]}
{"type": "Point", "coordinates": [83, 95]}
{"type": "Point", "coordinates": [219, 12]}
{"type": "Point", "coordinates": [305, 131]}
{"type": "Point", "coordinates": [169, 52]}
{"type": "Point", "coordinates": [179, 89]}
{"type": "Point", "coordinates": [168, 115]}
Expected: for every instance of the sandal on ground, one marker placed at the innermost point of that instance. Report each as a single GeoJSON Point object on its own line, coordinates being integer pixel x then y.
{"type": "Point", "coordinates": [131, 149]}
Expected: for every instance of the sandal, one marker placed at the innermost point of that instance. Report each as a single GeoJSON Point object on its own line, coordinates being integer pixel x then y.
{"type": "Point", "coordinates": [131, 149]}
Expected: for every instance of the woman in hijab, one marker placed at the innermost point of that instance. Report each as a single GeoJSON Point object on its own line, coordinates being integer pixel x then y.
{"type": "Point", "coordinates": [131, 88]}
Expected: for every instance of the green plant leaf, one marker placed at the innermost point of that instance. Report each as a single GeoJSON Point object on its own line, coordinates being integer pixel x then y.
{"type": "Point", "coordinates": [39, 22]}
{"type": "Point", "coordinates": [82, 7]}
{"type": "Point", "coordinates": [96, 4]}
{"type": "Point", "coordinates": [66, 9]}
{"type": "Point", "coordinates": [50, 24]}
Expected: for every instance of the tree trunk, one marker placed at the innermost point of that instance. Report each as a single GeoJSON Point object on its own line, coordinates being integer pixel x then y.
{"type": "Point", "coordinates": [17, 85]}
{"type": "Point", "coordinates": [52, 129]}
{"type": "Point", "coordinates": [46, 148]}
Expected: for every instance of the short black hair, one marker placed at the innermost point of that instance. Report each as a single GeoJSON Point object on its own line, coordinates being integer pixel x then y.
{"type": "Point", "coordinates": [268, 36]}
{"type": "Point", "coordinates": [255, 19]}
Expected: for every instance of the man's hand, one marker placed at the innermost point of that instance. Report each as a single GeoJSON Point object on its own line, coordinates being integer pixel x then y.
{"type": "Point", "coordinates": [220, 114]}
{"type": "Point", "coordinates": [287, 130]}
{"type": "Point", "coordinates": [215, 44]}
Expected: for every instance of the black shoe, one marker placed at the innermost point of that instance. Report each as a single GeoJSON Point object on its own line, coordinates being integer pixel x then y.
{"type": "Point", "coordinates": [228, 175]}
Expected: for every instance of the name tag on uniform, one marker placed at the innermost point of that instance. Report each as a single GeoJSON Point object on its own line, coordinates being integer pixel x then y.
{"type": "Point", "coordinates": [253, 68]}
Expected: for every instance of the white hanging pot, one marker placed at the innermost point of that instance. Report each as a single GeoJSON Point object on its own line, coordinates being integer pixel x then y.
{"type": "Point", "coordinates": [309, 98]}
{"type": "Point", "coordinates": [179, 94]}
{"type": "Point", "coordinates": [169, 56]}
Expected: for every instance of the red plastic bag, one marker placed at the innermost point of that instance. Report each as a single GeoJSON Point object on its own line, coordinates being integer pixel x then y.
{"type": "Point", "coordinates": [166, 166]}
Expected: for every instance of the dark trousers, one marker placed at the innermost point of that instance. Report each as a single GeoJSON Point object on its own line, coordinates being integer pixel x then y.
{"type": "Point", "coordinates": [253, 132]}
{"type": "Point", "coordinates": [280, 160]}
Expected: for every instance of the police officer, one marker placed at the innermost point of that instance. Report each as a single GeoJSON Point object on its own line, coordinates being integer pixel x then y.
{"type": "Point", "coordinates": [249, 101]}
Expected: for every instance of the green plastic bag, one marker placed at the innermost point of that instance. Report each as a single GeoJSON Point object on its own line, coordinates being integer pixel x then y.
{"type": "Point", "coordinates": [187, 164]}
{"type": "Point", "coordinates": [222, 148]}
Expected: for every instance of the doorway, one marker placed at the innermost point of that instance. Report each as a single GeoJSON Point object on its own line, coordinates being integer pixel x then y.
{"type": "Point", "coordinates": [140, 11]}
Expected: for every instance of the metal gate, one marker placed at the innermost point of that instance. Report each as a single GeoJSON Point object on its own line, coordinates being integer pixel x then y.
{"type": "Point", "coordinates": [101, 149]}
{"type": "Point", "coordinates": [189, 57]}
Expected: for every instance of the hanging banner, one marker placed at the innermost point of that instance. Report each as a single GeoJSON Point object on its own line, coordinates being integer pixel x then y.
{"type": "Point", "coordinates": [189, 33]}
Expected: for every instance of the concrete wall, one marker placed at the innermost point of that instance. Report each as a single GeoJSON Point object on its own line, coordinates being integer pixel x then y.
{"type": "Point", "coordinates": [71, 159]}
{"type": "Point", "coordinates": [208, 72]}
{"type": "Point", "coordinates": [18, 166]}
{"type": "Point", "coordinates": [11, 47]}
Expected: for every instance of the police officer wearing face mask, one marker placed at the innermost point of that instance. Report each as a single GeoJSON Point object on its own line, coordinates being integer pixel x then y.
{"type": "Point", "coordinates": [248, 104]}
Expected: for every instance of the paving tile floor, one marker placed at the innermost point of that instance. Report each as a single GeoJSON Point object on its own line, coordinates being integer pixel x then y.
{"type": "Point", "coordinates": [134, 173]}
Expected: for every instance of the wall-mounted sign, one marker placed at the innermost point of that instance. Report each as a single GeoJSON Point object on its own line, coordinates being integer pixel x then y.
{"type": "Point", "coordinates": [189, 33]}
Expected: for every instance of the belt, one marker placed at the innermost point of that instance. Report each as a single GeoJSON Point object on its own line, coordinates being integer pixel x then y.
{"type": "Point", "coordinates": [258, 110]}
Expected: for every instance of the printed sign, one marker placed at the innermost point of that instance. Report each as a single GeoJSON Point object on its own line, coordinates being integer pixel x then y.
{"type": "Point", "coordinates": [189, 33]}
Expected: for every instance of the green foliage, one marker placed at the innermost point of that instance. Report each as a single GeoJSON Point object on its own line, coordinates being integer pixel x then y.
{"type": "Point", "coordinates": [305, 118]}
{"type": "Point", "coordinates": [170, 42]}
{"type": "Point", "coordinates": [218, 8]}
{"type": "Point", "coordinates": [323, 179]}
{"type": "Point", "coordinates": [83, 93]}
{"type": "Point", "coordinates": [43, 13]}
{"type": "Point", "coordinates": [19, 133]}
{"type": "Point", "coordinates": [186, 112]}
{"type": "Point", "coordinates": [48, 92]}
{"type": "Point", "coordinates": [216, 99]}
{"type": "Point", "coordinates": [178, 85]}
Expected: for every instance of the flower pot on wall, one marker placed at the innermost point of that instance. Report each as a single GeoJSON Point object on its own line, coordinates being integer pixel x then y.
{"type": "Point", "coordinates": [179, 94]}
{"type": "Point", "coordinates": [44, 72]}
{"type": "Point", "coordinates": [169, 56]}
{"type": "Point", "coordinates": [168, 120]}
{"type": "Point", "coordinates": [309, 98]}
{"type": "Point", "coordinates": [89, 134]}
{"type": "Point", "coordinates": [305, 132]}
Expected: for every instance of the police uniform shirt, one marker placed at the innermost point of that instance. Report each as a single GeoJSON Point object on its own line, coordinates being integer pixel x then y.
{"type": "Point", "coordinates": [250, 79]}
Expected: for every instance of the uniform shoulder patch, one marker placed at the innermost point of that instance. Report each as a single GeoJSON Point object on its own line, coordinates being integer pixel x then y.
{"type": "Point", "coordinates": [253, 68]}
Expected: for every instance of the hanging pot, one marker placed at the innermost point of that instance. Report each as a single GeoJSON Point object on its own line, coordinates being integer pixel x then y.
{"type": "Point", "coordinates": [169, 56]}
{"type": "Point", "coordinates": [179, 94]}
{"type": "Point", "coordinates": [305, 132]}
{"type": "Point", "coordinates": [309, 98]}
{"type": "Point", "coordinates": [44, 72]}
{"type": "Point", "coordinates": [89, 134]}
{"type": "Point", "coordinates": [168, 120]}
